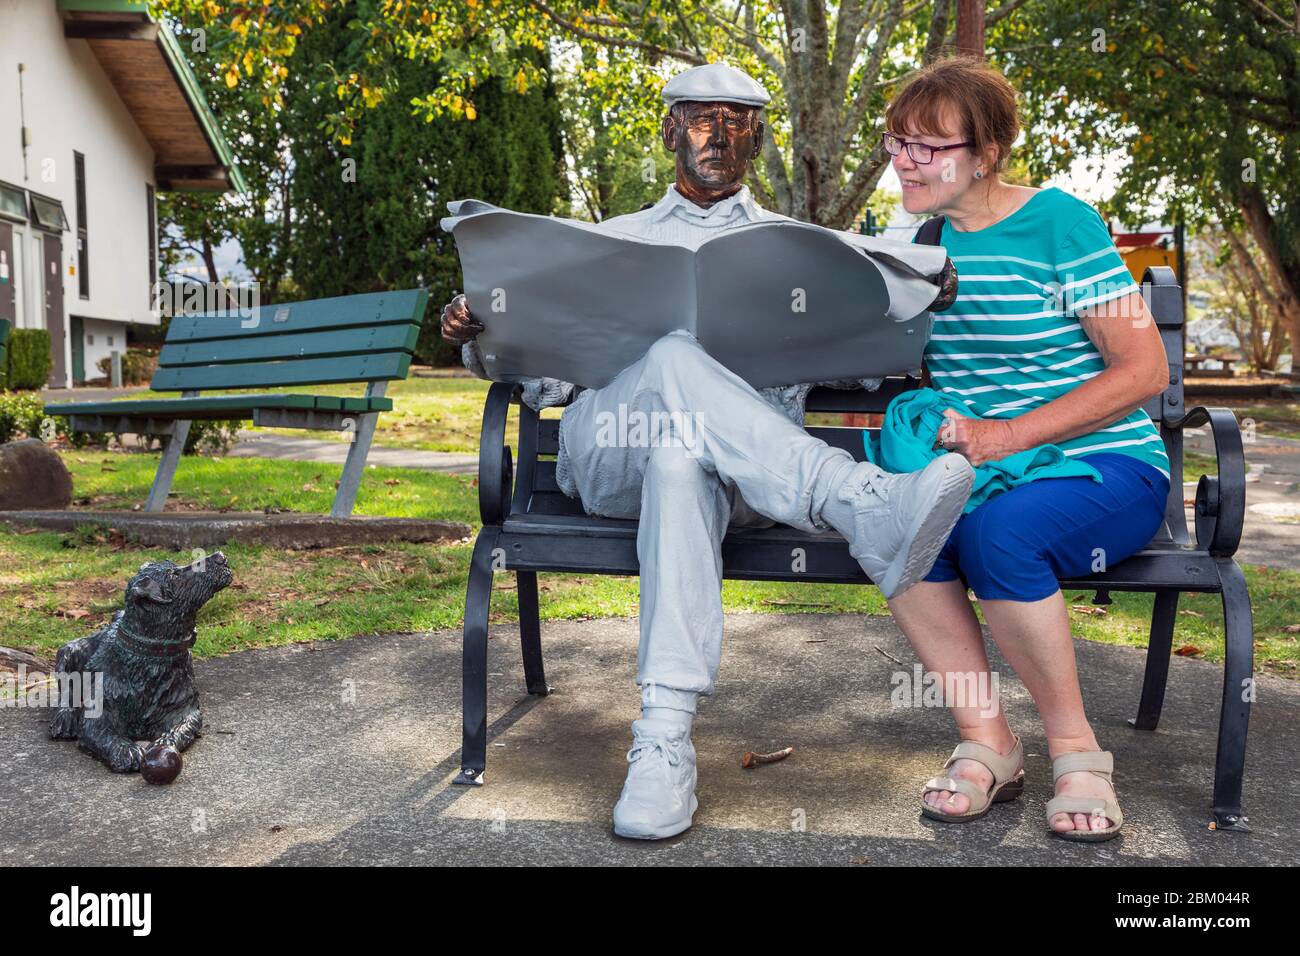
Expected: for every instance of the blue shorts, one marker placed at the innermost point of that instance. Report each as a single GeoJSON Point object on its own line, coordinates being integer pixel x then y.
{"type": "Point", "coordinates": [1014, 546]}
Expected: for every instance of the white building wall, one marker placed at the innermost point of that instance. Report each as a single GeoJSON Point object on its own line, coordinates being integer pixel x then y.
{"type": "Point", "coordinates": [69, 105]}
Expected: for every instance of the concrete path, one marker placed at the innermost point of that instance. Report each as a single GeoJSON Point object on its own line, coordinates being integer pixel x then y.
{"type": "Point", "coordinates": [266, 445]}
{"type": "Point", "coordinates": [343, 753]}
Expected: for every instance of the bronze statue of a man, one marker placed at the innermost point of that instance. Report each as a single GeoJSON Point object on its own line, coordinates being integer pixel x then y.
{"type": "Point", "coordinates": [735, 457]}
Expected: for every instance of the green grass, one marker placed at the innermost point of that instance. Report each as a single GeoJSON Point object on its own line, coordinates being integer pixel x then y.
{"type": "Point", "coordinates": [111, 480]}
{"type": "Point", "coordinates": [55, 587]}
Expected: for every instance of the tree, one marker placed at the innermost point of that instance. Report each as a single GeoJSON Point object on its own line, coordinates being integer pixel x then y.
{"type": "Point", "coordinates": [829, 64]}
{"type": "Point", "coordinates": [367, 211]}
{"type": "Point", "coordinates": [1202, 95]}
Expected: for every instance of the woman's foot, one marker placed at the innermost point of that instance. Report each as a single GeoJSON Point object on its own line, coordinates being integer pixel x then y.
{"type": "Point", "coordinates": [946, 801]}
{"type": "Point", "coordinates": [1081, 783]}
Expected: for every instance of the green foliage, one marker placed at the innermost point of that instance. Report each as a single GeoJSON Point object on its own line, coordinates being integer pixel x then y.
{"type": "Point", "coordinates": [29, 359]}
{"type": "Point", "coordinates": [1203, 96]}
{"type": "Point", "coordinates": [366, 213]}
{"type": "Point", "coordinates": [137, 366]}
{"type": "Point", "coordinates": [21, 414]}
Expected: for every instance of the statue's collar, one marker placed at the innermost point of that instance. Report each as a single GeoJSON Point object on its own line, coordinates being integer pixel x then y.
{"type": "Point", "coordinates": [723, 209]}
{"type": "Point", "coordinates": [144, 647]}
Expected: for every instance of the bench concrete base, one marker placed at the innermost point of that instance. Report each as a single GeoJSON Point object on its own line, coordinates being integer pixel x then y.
{"type": "Point", "coordinates": [206, 529]}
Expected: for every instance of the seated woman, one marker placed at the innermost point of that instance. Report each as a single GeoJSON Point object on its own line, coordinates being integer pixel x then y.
{"type": "Point", "coordinates": [1049, 342]}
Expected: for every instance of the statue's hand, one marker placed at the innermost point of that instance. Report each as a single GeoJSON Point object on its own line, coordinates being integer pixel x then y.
{"type": "Point", "coordinates": [458, 325]}
{"type": "Point", "coordinates": [947, 287]}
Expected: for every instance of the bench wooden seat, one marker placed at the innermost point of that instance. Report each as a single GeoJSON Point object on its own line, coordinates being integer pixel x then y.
{"type": "Point", "coordinates": [221, 406]}
{"type": "Point", "coordinates": [351, 339]}
{"type": "Point", "coordinates": [530, 526]}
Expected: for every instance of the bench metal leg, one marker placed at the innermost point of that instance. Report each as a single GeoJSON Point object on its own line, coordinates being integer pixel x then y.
{"type": "Point", "coordinates": [355, 466]}
{"type": "Point", "coordinates": [478, 601]}
{"type": "Point", "coordinates": [1159, 649]}
{"type": "Point", "coordinates": [530, 633]}
{"type": "Point", "coordinates": [1238, 690]}
{"type": "Point", "coordinates": [171, 457]}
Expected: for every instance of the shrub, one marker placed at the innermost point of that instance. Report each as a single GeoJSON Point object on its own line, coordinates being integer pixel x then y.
{"type": "Point", "coordinates": [29, 358]}
{"type": "Point", "coordinates": [137, 366]}
{"type": "Point", "coordinates": [207, 436]}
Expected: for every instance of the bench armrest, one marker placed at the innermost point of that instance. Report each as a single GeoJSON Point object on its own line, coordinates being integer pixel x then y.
{"type": "Point", "coordinates": [495, 469]}
{"type": "Point", "coordinates": [1220, 499]}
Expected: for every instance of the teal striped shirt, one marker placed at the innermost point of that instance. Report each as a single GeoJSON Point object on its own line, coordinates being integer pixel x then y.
{"type": "Point", "coordinates": [1012, 342]}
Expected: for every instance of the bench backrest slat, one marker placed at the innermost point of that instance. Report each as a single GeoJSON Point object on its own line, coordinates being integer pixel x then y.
{"type": "Point", "coordinates": [355, 338]}
{"type": "Point", "coordinates": [371, 308]}
{"type": "Point", "coordinates": [272, 348]}
{"type": "Point", "coordinates": [375, 367]}
{"type": "Point", "coordinates": [4, 349]}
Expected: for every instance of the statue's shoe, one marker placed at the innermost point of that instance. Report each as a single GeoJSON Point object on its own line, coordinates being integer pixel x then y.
{"type": "Point", "coordinates": [658, 798]}
{"type": "Point", "coordinates": [903, 521]}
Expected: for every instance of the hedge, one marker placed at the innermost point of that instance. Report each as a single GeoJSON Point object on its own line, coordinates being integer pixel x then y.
{"type": "Point", "coordinates": [29, 359]}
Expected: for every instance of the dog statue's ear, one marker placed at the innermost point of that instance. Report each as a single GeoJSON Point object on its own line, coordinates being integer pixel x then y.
{"type": "Point", "coordinates": [148, 589]}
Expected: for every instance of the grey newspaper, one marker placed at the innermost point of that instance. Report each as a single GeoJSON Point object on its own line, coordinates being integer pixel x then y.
{"type": "Point", "coordinates": [778, 302]}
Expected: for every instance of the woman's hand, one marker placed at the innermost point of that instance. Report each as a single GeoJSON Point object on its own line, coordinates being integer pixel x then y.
{"type": "Point", "coordinates": [979, 439]}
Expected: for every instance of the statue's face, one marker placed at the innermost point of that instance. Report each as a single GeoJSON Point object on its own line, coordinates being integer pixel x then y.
{"type": "Point", "coordinates": [714, 143]}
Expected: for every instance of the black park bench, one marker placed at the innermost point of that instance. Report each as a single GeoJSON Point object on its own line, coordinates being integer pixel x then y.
{"type": "Point", "coordinates": [352, 339]}
{"type": "Point", "coordinates": [529, 525]}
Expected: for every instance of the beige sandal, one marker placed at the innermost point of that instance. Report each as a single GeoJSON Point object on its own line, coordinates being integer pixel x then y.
{"type": "Point", "coordinates": [1100, 763]}
{"type": "Point", "coordinates": [1008, 781]}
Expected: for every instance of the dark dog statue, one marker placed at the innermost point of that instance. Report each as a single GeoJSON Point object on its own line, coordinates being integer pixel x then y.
{"type": "Point", "coordinates": [148, 691]}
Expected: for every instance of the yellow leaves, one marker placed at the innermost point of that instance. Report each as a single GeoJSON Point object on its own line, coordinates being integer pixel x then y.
{"type": "Point", "coordinates": [472, 4]}
{"type": "Point", "coordinates": [232, 76]}
{"type": "Point", "coordinates": [292, 29]}
{"type": "Point", "coordinates": [521, 81]}
{"type": "Point", "coordinates": [372, 96]}
{"type": "Point", "coordinates": [346, 138]}
{"type": "Point", "coordinates": [1160, 72]}
{"type": "Point", "coordinates": [283, 72]}
{"type": "Point", "coordinates": [211, 10]}
{"type": "Point", "coordinates": [470, 112]}
{"type": "Point", "coordinates": [248, 63]}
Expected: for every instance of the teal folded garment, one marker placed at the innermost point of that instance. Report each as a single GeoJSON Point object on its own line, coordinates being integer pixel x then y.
{"type": "Point", "coordinates": [912, 421]}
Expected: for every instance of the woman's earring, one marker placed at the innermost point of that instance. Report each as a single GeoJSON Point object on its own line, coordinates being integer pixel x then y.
{"type": "Point", "coordinates": [979, 174]}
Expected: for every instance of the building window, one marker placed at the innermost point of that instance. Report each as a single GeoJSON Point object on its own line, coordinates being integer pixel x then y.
{"type": "Point", "coordinates": [83, 247]}
{"type": "Point", "coordinates": [90, 338]}
{"type": "Point", "coordinates": [153, 243]}
{"type": "Point", "coordinates": [48, 213]}
{"type": "Point", "coordinates": [110, 341]}
{"type": "Point", "coordinates": [13, 202]}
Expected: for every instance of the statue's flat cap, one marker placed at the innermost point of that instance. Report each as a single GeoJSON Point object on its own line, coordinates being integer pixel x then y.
{"type": "Point", "coordinates": [715, 82]}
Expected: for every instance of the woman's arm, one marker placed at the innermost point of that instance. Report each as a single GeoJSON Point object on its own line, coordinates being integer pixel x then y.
{"type": "Point", "coordinates": [1125, 333]}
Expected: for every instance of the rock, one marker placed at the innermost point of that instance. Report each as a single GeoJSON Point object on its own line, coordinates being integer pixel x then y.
{"type": "Point", "coordinates": [32, 476]}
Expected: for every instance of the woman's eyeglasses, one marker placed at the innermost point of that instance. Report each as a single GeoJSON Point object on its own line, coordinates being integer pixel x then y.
{"type": "Point", "coordinates": [920, 153]}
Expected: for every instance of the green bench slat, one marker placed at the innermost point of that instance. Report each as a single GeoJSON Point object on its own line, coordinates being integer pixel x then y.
{"type": "Point", "coordinates": [375, 367]}
{"type": "Point", "coordinates": [381, 338]}
{"type": "Point", "coordinates": [217, 405]}
{"type": "Point", "coordinates": [352, 403]}
{"type": "Point", "coordinates": [374, 308]}
{"type": "Point", "coordinates": [199, 405]}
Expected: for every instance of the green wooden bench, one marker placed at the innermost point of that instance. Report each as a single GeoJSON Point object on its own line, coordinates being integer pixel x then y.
{"type": "Point", "coordinates": [353, 339]}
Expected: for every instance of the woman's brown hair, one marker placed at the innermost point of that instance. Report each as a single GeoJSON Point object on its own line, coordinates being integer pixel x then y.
{"type": "Point", "coordinates": [981, 97]}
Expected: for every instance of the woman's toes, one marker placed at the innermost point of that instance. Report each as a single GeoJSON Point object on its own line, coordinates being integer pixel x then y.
{"type": "Point", "coordinates": [1062, 823]}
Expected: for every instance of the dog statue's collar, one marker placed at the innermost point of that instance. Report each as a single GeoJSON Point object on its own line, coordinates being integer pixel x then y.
{"type": "Point", "coordinates": [144, 647]}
